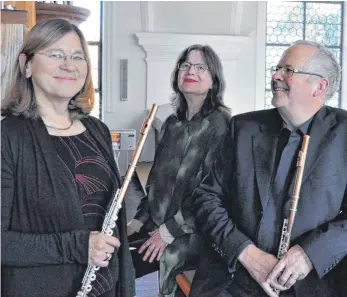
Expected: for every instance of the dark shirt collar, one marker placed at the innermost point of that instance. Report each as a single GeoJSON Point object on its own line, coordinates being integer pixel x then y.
{"type": "Point", "coordinates": [302, 129]}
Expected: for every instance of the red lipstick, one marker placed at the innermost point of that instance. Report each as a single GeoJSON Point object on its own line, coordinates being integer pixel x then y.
{"type": "Point", "coordinates": [189, 80]}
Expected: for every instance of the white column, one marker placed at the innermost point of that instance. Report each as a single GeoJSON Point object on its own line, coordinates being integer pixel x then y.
{"type": "Point", "coordinates": [110, 73]}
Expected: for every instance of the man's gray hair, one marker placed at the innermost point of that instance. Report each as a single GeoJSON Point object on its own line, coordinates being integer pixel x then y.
{"type": "Point", "coordinates": [324, 63]}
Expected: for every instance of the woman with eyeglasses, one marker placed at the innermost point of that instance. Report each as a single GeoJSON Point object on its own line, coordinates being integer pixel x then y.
{"type": "Point", "coordinates": [58, 175]}
{"type": "Point", "coordinates": [163, 229]}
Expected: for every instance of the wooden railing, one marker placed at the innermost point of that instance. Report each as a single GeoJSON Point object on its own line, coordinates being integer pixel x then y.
{"type": "Point", "coordinates": [29, 6]}
{"type": "Point", "coordinates": [40, 10]}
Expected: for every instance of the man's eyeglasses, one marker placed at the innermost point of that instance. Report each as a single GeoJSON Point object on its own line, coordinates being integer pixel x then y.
{"type": "Point", "coordinates": [59, 56]}
{"type": "Point", "coordinates": [288, 71]}
{"type": "Point", "coordinates": [199, 68]}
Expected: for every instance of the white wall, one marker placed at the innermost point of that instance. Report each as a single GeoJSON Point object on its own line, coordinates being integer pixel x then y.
{"type": "Point", "coordinates": [123, 19]}
{"type": "Point", "coordinates": [193, 17]}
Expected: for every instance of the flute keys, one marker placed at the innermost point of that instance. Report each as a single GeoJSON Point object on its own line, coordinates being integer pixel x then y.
{"type": "Point", "coordinates": [115, 215]}
{"type": "Point", "coordinates": [88, 288]}
{"type": "Point", "coordinates": [93, 277]}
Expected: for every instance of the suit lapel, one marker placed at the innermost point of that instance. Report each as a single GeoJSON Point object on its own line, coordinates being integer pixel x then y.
{"type": "Point", "coordinates": [264, 153]}
{"type": "Point", "coordinates": [321, 137]}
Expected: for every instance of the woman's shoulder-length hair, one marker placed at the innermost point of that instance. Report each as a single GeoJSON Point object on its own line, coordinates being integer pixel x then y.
{"type": "Point", "coordinates": [214, 96]}
{"type": "Point", "coordinates": [20, 97]}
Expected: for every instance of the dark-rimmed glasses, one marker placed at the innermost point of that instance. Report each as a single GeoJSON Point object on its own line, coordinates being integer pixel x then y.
{"type": "Point", "coordinates": [288, 71]}
{"type": "Point", "coordinates": [199, 68]}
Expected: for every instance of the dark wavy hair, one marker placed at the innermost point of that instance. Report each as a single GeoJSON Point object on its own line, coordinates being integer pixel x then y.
{"type": "Point", "coordinates": [20, 98]}
{"type": "Point", "coordinates": [214, 98]}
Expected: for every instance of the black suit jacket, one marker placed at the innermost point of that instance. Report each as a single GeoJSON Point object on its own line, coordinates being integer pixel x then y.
{"type": "Point", "coordinates": [230, 202]}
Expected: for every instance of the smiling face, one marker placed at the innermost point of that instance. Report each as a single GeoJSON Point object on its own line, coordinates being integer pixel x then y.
{"type": "Point", "coordinates": [59, 78]}
{"type": "Point", "coordinates": [294, 92]}
{"type": "Point", "coordinates": [192, 82]}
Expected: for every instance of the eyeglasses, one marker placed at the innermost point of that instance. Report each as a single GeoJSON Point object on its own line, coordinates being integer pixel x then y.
{"type": "Point", "coordinates": [199, 68]}
{"type": "Point", "coordinates": [59, 56]}
{"type": "Point", "coordinates": [288, 71]}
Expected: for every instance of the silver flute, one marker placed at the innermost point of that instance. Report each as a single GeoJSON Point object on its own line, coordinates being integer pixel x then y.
{"type": "Point", "coordinates": [112, 215]}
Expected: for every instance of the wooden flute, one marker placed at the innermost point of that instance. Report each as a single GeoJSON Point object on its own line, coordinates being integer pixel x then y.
{"type": "Point", "coordinates": [289, 222]}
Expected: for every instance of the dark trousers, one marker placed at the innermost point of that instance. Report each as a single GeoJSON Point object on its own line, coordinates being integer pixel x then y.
{"type": "Point", "coordinates": [141, 267]}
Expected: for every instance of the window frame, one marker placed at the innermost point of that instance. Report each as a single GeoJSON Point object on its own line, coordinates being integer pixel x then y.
{"type": "Point", "coordinates": [261, 42]}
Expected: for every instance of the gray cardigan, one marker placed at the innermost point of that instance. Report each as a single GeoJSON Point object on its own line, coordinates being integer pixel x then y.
{"type": "Point", "coordinates": [44, 242]}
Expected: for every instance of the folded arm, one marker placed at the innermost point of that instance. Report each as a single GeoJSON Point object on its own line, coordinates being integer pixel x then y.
{"type": "Point", "coordinates": [209, 204]}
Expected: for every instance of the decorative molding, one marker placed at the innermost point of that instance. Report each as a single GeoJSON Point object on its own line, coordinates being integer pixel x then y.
{"type": "Point", "coordinates": [163, 49]}
{"type": "Point", "coordinates": [236, 17]}
{"type": "Point", "coordinates": [74, 14]}
{"type": "Point", "coordinates": [159, 46]}
{"type": "Point", "coordinates": [14, 16]}
{"type": "Point", "coordinates": [147, 19]}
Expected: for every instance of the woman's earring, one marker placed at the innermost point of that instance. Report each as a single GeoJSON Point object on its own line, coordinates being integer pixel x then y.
{"type": "Point", "coordinates": [27, 73]}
